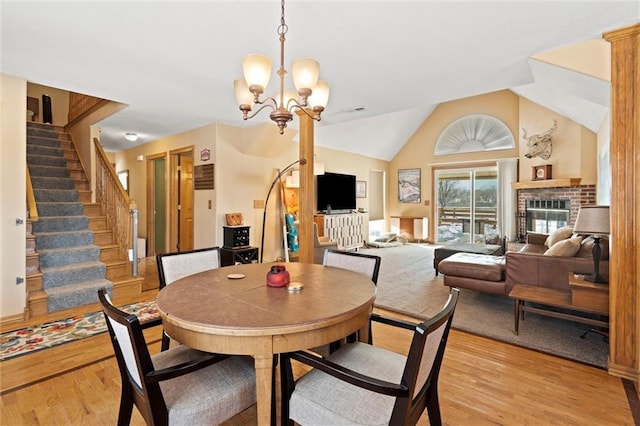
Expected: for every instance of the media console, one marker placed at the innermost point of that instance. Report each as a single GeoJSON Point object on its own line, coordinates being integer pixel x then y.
{"type": "Point", "coordinates": [347, 229]}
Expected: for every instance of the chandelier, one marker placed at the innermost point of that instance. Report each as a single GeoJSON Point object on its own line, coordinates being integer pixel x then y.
{"type": "Point", "coordinates": [311, 97]}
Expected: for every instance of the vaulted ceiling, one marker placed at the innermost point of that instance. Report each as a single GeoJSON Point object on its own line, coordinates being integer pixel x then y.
{"type": "Point", "coordinates": [389, 64]}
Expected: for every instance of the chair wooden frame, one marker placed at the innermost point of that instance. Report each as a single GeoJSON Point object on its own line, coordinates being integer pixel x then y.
{"type": "Point", "coordinates": [147, 397]}
{"type": "Point", "coordinates": [411, 397]}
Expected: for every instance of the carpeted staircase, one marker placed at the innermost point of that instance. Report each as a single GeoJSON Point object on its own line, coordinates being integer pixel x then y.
{"type": "Point", "coordinates": [70, 262]}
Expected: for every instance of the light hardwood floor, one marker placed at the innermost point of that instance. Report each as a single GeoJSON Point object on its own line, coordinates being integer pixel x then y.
{"type": "Point", "coordinates": [482, 382]}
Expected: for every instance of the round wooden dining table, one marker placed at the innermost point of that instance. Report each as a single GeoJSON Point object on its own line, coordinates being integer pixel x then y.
{"type": "Point", "coordinates": [231, 310]}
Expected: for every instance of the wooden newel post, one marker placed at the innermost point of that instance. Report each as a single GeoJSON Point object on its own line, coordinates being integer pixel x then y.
{"type": "Point", "coordinates": [307, 190]}
{"type": "Point", "coordinates": [624, 264]}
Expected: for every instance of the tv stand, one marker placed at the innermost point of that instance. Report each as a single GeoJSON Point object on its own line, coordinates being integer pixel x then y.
{"type": "Point", "coordinates": [347, 229]}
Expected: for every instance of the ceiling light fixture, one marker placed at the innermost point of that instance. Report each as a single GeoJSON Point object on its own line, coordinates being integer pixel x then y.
{"type": "Point", "coordinates": [130, 136]}
{"type": "Point", "coordinates": [256, 68]}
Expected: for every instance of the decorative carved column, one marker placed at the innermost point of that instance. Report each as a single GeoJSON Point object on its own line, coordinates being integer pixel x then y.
{"type": "Point", "coordinates": [307, 190]}
{"type": "Point", "coordinates": [624, 279]}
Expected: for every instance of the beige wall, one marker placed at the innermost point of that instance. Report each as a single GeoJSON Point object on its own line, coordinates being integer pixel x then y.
{"type": "Point", "coordinates": [13, 137]}
{"type": "Point", "coordinates": [592, 57]}
{"type": "Point", "coordinates": [574, 147]}
{"type": "Point", "coordinates": [59, 102]}
{"type": "Point", "coordinates": [199, 139]}
{"type": "Point", "coordinates": [418, 152]}
{"type": "Point", "coordinates": [574, 151]}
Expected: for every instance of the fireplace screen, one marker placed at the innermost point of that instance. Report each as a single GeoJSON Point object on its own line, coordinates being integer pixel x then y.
{"type": "Point", "coordinates": [546, 216]}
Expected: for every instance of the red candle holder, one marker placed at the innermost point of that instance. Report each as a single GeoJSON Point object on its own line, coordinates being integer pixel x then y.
{"type": "Point", "coordinates": [278, 276]}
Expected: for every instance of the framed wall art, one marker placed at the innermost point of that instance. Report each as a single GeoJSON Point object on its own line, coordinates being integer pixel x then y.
{"type": "Point", "coordinates": [361, 189]}
{"type": "Point", "coordinates": [409, 185]}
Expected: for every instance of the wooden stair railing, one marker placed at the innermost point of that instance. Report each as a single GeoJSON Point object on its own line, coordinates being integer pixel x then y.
{"type": "Point", "coordinates": [31, 200]}
{"type": "Point", "coordinates": [114, 201]}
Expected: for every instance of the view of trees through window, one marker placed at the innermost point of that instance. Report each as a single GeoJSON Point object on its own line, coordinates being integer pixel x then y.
{"type": "Point", "coordinates": [467, 205]}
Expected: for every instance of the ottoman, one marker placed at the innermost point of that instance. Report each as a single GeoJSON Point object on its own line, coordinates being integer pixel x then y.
{"type": "Point", "coordinates": [479, 272]}
{"type": "Point", "coordinates": [443, 252]}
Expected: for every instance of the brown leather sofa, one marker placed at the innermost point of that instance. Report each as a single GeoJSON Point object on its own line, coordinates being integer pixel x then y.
{"type": "Point", "coordinates": [529, 265]}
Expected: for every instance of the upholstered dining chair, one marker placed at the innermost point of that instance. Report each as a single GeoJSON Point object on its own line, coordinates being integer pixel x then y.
{"type": "Point", "coordinates": [368, 385]}
{"type": "Point", "coordinates": [320, 244]}
{"type": "Point", "coordinates": [179, 385]}
{"type": "Point", "coordinates": [173, 266]}
{"type": "Point", "coordinates": [366, 264]}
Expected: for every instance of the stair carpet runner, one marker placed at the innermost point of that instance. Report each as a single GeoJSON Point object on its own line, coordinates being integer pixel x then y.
{"type": "Point", "coordinates": [70, 263]}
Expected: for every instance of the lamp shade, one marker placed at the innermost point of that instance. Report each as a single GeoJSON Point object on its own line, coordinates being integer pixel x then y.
{"type": "Point", "coordinates": [320, 95]}
{"type": "Point", "coordinates": [256, 69]}
{"type": "Point", "coordinates": [289, 96]}
{"type": "Point", "coordinates": [241, 90]}
{"type": "Point", "coordinates": [305, 73]}
{"type": "Point", "coordinates": [593, 220]}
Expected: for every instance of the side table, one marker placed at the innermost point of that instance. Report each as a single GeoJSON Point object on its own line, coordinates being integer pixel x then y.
{"type": "Point", "coordinates": [233, 256]}
{"type": "Point", "coordinates": [592, 297]}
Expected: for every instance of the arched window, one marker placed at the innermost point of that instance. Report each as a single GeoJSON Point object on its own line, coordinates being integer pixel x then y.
{"type": "Point", "coordinates": [473, 133]}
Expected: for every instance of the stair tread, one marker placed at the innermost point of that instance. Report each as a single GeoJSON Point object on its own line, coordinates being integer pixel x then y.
{"type": "Point", "coordinates": [76, 287]}
{"type": "Point", "coordinates": [71, 216]}
{"type": "Point", "coordinates": [83, 231]}
{"type": "Point", "coordinates": [70, 248]}
{"type": "Point", "coordinates": [71, 267]}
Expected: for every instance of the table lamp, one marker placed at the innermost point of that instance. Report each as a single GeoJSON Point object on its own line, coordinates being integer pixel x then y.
{"type": "Point", "coordinates": [594, 221]}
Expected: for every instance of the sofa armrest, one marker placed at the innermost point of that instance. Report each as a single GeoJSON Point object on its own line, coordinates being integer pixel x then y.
{"type": "Point", "coordinates": [536, 238]}
{"type": "Point", "coordinates": [545, 271]}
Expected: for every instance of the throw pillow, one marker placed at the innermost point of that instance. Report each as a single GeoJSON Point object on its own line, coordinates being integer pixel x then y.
{"type": "Point", "coordinates": [559, 235]}
{"type": "Point", "coordinates": [565, 248]}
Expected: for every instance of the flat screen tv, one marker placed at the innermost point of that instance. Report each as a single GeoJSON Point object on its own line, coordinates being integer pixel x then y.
{"type": "Point", "coordinates": [335, 191]}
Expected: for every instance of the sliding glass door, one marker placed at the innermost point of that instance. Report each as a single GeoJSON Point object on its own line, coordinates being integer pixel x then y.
{"type": "Point", "coordinates": [466, 205]}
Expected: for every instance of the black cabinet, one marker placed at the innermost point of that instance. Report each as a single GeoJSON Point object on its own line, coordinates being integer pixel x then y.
{"type": "Point", "coordinates": [231, 256]}
{"type": "Point", "coordinates": [236, 236]}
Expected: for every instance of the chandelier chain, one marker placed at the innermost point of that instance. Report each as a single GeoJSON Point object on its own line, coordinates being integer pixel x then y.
{"type": "Point", "coordinates": [283, 28]}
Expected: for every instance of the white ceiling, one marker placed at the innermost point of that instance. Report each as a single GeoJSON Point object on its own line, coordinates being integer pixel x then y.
{"type": "Point", "coordinates": [174, 62]}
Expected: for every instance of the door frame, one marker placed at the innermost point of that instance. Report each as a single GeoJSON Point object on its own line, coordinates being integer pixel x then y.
{"type": "Point", "coordinates": [451, 166]}
{"type": "Point", "coordinates": [174, 200]}
{"type": "Point", "coordinates": [151, 185]}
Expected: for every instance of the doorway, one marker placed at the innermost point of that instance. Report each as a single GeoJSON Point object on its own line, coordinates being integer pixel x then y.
{"type": "Point", "coordinates": [156, 204]}
{"type": "Point", "coordinates": [181, 200]}
{"type": "Point", "coordinates": [467, 200]}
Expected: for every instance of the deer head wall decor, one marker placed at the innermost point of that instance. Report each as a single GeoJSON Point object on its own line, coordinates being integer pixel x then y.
{"type": "Point", "coordinates": [539, 145]}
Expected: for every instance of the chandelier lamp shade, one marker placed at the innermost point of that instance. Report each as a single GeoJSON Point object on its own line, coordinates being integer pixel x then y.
{"type": "Point", "coordinates": [311, 95]}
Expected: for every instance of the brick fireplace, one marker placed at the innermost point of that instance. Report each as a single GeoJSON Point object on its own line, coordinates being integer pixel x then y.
{"type": "Point", "coordinates": [555, 199]}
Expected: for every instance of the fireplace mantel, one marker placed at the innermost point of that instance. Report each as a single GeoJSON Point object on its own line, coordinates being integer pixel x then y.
{"type": "Point", "coordinates": [548, 183]}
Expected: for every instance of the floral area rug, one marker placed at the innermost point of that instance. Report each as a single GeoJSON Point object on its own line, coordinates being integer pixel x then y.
{"type": "Point", "coordinates": [32, 339]}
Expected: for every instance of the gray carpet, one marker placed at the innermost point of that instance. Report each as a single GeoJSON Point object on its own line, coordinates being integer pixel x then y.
{"type": "Point", "coordinates": [407, 284]}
